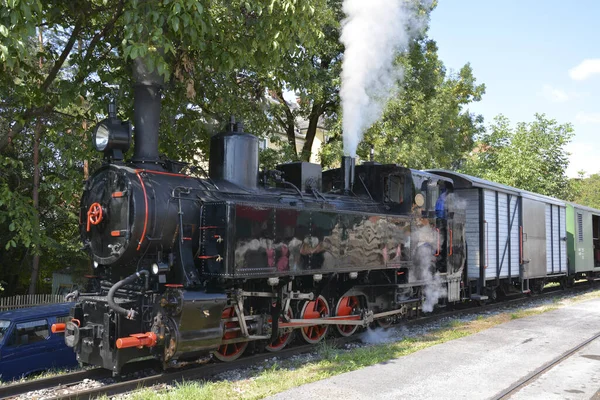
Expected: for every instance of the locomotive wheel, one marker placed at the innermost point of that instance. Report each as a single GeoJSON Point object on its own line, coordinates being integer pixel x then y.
{"type": "Point", "coordinates": [285, 336]}
{"type": "Point", "coordinates": [315, 309]}
{"type": "Point", "coordinates": [347, 305]}
{"type": "Point", "coordinates": [230, 351]}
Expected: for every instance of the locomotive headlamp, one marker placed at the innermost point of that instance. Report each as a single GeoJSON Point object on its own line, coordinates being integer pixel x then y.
{"type": "Point", "coordinates": [101, 137]}
{"type": "Point", "coordinates": [113, 137]}
{"type": "Point", "coordinates": [160, 268]}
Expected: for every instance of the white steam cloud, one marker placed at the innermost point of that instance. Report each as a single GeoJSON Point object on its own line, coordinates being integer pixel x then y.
{"type": "Point", "coordinates": [425, 272]}
{"type": "Point", "coordinates": [373, 33]}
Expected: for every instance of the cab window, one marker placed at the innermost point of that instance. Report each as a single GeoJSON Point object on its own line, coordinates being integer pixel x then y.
{"type": "Point", "coordinates": [30, 332]}
{"type": "Point", "coordinates": [394, 189]}
{"type": "Point", "coordinates": [433, 192]}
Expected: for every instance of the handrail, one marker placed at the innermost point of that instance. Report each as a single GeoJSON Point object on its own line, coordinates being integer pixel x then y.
{"type": "Point", "coordinates": [437, 253]}
{"type": "Point", "coordinates": [521, 247]}
{"type": "Point", "coordinates": [451, 243]}
{"type": "Point", "coordinates": [487, 242]}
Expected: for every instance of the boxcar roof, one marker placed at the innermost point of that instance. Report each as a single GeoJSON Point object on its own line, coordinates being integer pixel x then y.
{"type": "Point", "coordinates": [463, 181]}
{"type": "Point", "coordinates": [585, 208]}
{"type": "Point", "coordinates": [541, 197]}
{"type": "Point", "coordinates": [36, 312]}
{"type": "Point", "coordinates": [432, 174]}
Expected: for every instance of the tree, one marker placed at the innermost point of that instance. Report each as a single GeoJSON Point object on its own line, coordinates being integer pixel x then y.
{"type": "Point", "coordinates": [202, 48]}
{"type": "Point", "coordinates": [314, 73]}
{"type": "Point", "coordinates": [531, 156]}
{"type": "Point", "coordinates": [585, 191]}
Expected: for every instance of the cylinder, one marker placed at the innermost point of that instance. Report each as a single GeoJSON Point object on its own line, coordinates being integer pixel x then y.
{"type": "Point", "coordinates": [348, 173]}
{"type": "Point", "coordinates": [234, 158]}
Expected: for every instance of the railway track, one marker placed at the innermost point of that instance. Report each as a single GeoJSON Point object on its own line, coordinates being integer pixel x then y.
{"type": "Point", "coordinates": [506, 394]}
{"type": "Point", "coordinates": [66, 386]}
{"type": "Point", "coordinates": [59, 381]}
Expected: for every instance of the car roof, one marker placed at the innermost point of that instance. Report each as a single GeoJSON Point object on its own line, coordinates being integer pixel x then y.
{"type": "Point", "coordinates": [36, 312]}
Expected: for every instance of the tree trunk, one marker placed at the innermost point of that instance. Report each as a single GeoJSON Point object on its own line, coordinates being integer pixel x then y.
{"type": "Point", "coordinates": [36, 202]}
{"type": "Point", "coordinates": [313, 124]}
{"type": "Point", "coordinates": [289, 124]}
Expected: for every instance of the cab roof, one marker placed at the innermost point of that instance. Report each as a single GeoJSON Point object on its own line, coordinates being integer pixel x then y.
{"type": "Point", "coordinates": [48, 310]}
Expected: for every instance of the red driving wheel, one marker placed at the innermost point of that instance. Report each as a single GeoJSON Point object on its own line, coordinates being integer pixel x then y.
{"type": "Point", "coordinates": [314, 310]}
{"type": "Point", "coordinates": [285, 336]}
{"type": "Point", "coordinates": [230, 351]}
{"type": "Point", "coordinates": [347, 306]}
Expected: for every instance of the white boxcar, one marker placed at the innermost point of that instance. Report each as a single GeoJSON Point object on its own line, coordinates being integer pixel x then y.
{"type": "Point", "coordinates": [513, 236]}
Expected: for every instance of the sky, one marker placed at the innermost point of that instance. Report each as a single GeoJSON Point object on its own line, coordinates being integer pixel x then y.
{"type": "Point", "coordinates": [534, 56]}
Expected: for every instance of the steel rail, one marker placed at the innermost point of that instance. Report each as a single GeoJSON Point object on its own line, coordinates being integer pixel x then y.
{"type": "Point", "coordinates": [514, 388]}
{"type": "Point", "coordinates": [16, 389]}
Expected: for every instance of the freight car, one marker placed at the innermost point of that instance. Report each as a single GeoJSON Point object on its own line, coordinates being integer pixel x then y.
{"type": "Point", "coordinates": [519, 241]}
{"type": "Point", "coordinates": [191, 267]}
{"type": "Point", "coordinates": [583, 242]}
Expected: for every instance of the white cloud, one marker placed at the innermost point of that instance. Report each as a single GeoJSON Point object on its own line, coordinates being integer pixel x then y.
{"type": "Point", "coordinates": [583, 158]}
{"type": "Point", "coordinates": [587, 118]}
{"type": "Point", "coordinates": [585, 69]}
{"type": "Point", "coordinates": [554, 94]}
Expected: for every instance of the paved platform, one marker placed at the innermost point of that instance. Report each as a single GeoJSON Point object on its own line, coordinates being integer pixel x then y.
{"type": "Point", "coordinates": [483, 365]}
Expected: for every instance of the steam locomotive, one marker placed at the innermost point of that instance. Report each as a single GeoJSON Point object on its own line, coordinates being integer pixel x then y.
{"type": "Point", "coordinates": [191, 268]}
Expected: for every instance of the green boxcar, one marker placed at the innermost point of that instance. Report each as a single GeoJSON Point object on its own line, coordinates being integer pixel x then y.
{"type": "Point", "coordinates": [583, 240]}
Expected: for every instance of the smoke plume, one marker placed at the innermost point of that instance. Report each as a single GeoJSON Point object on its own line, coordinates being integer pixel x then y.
{"type": "Point", "coordinates": [373, 33]}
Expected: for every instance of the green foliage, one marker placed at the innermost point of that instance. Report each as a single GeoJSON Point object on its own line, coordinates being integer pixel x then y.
{"type": "Point", "coordinates": [586, 191]}
{"type": "Point", "coordinates": [428, 125]}
{"type": "Point", "coordinates": [531, 156]}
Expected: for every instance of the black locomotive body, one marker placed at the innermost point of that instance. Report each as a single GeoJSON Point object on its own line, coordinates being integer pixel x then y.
{"type": "Point", "coordinates": [192, 267]}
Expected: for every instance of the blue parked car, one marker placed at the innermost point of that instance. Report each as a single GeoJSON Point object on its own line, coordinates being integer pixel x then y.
{"type": "Point", "coordinates": [27, 344]}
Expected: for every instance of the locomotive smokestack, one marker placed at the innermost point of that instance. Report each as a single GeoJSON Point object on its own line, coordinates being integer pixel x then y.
{"type": "Point", "coordinates": [146, 112]}
{"type": "Point", "coordinates": [348, 173]}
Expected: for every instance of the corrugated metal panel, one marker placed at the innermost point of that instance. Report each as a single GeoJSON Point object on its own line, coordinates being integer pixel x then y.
{"type": "Point", "coordinates": [556, 239]}
{"type": "Point", "coordinates": [549, 238]}
{"type": "Point", "coordinates": [509, 229]}
{"type": "Point", "coordinates": [471, 197]}
{"type": "Point", "coordinates": [490, 234]}
{"type": "Point", "coordinates": [502, 257]}
{"type": "Point", "coordinates": [563, 243]}
{"type": "Point", "coordinates": [556, 248]}
{"type": "Point", "coordinates": [514, 237]}
{"type": "Point", "coordinates": [503, 233]}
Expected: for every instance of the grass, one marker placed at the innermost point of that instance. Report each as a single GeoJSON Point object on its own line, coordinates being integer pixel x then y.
{"type": "Point", "coordinates": [330, 361]}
